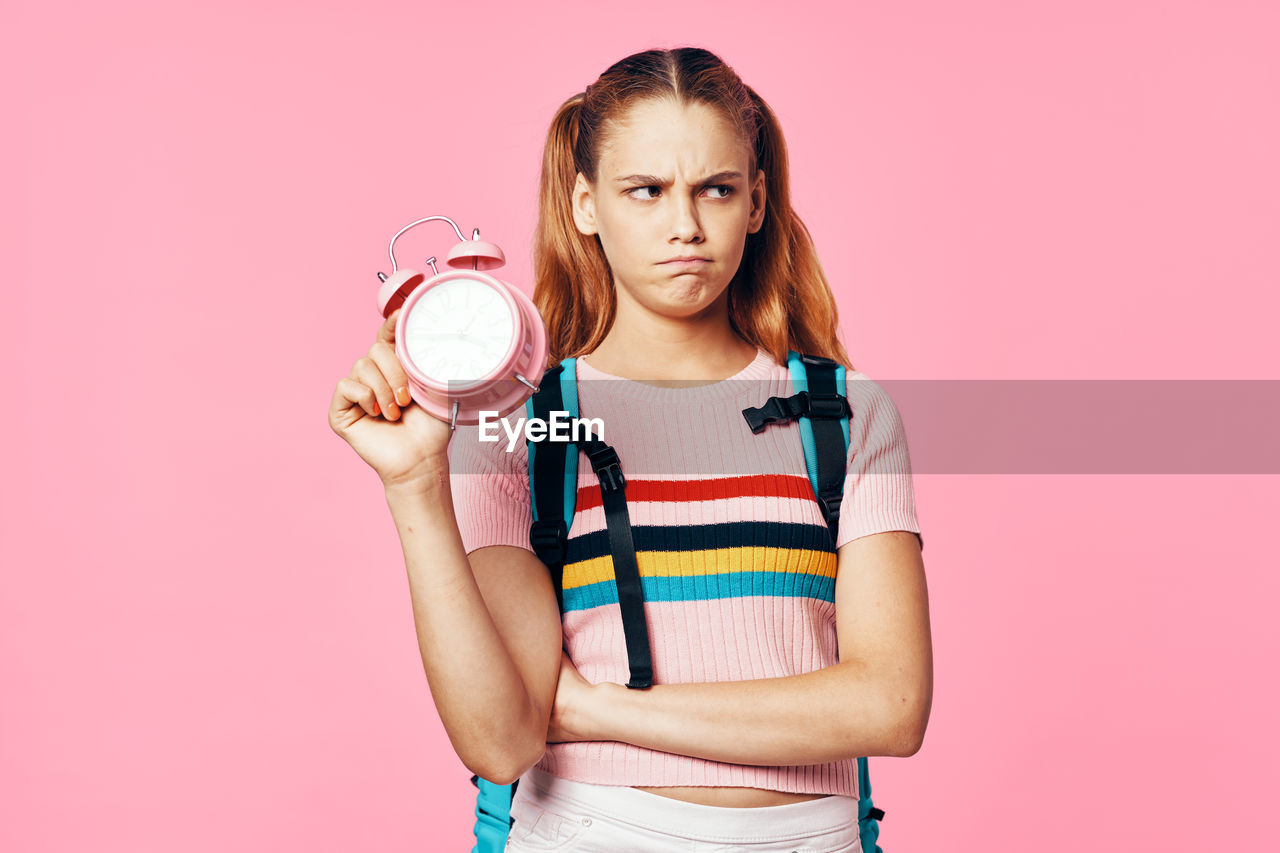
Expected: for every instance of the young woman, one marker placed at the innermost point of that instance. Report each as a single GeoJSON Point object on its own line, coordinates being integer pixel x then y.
{"type": "Point", "coordinates": [670, 263]}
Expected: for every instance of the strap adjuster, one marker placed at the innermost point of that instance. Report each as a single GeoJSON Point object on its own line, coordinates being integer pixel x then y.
{"type": "Point", "coordinates": [818, 360]}
{"type": "Point", "coordinates": [800, 404]}
{"type": "Point", "coordinates": [549, 539]}
{"type": "Point", "coordinates": [832, 406]}
{"type": "Point", "coordinates": [608, 468]}
{"type": "Point", "coordinates": [831, 505]}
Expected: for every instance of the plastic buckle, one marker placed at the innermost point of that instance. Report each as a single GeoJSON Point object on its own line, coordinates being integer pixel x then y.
{"type": "Point", "coordinates": [605, 462]}
{"type": "Point", "coordinates": [548, 539]}
{"type": "Point", "coordinates": [831, 506]}
{"type": "Point", "coordinates": [760, 417]}
{"type": "Point", "coordinates": [776, 409]}
{"type": "Point", "coordinates": [817, 360]}
{"type": "Point", "coordinates": [826, 406]}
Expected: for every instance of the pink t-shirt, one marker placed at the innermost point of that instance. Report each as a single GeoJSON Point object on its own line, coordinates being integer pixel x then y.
{"type": "Point", "coordinates": [736, 562]}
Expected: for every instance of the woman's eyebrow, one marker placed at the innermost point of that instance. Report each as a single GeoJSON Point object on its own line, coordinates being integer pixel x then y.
{"type": "Point", "coordinates": [654, 180]}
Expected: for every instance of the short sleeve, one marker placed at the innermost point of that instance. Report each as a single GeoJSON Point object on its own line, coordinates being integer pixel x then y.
{"type": "Point", "coordinates": [878, 491]}
{"type": "Point", "coordinates": [489, 481]}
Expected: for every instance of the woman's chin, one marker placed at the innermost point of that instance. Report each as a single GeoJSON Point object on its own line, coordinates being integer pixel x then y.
{"type": "Point", "coordinates": [690, 292]}
{"type": "Point", "coordinates": [680, 296]}
{"type": "Point", "coordinates": [693, 307]}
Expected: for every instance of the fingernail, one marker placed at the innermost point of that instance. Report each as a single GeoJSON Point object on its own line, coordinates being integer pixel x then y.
{"type": "Point", "coordinates": [376, 411]}
{"type": "Point", "coordinates": [402, 395]}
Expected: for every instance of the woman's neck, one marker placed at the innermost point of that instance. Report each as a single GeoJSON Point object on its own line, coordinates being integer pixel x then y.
{"type": "Point", "coordinates": [645, 345]}
{"type": "Point", "coordinates": [698, 356]}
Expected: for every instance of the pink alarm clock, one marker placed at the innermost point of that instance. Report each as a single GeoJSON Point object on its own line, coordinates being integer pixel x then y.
{"type": "Point", "coordinates": [469, 341]}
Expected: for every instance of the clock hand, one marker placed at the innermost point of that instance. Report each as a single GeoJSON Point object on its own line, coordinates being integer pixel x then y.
{"type": "Point", "coordinates": [473, 335]}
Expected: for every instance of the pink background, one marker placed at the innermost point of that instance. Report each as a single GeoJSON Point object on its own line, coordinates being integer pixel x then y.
{"type": "Point", "coordinates": [205, 623]}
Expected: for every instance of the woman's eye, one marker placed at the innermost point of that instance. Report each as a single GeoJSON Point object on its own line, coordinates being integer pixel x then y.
{"type": "Point", "coordinates": [728, 191]}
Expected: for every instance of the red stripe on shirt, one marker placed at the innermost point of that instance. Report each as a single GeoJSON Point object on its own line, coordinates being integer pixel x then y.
{"type": "Point", "coordinates": [718, 488]}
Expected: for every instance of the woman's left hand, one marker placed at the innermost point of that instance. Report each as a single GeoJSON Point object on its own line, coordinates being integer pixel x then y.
{"type": "Point", "coordinates": [571, 713]}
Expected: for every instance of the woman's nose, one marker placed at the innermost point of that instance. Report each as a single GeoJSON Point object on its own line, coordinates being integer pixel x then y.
{"type": "Point", "coordinates": [685, 219]}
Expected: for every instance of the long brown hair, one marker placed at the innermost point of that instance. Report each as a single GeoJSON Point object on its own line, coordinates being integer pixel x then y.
{"type": "Point", "coordinates": [779, 299]}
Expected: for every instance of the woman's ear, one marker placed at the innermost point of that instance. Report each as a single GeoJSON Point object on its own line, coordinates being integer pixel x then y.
{"type": "Point", "coordinates": [759, 191]}
{"type": "Point", "coordinates": [584, 206]}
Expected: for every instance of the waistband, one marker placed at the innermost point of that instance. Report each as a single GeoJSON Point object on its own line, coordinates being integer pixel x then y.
{"type": "Point", "coordinates": [694, 820]}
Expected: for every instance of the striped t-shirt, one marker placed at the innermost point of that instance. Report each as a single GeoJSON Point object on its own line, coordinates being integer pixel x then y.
{"type": "Point", "coordinates": [737, 565]}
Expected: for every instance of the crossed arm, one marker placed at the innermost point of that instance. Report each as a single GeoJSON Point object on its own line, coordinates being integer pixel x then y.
{"type": "Point", "coordinates": [874, 701]}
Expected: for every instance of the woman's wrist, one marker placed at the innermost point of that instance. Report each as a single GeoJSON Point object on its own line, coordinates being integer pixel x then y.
{"type": "Point", "coordinates": [601, 711]}
{"type": "Point", "coordinates": [430, 477]}
{"type": "Point", "coordinates": [419, 503]}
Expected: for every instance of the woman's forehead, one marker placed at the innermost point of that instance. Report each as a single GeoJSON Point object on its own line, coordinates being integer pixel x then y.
{"type": "Point", "coordinates": [661, 139]}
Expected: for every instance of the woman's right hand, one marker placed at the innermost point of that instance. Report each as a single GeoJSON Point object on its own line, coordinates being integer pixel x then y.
{"type": "Point", "coordinates": [372, 410]}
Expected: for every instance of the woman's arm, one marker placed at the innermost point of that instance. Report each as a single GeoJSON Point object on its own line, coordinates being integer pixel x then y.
{"type": "Point", "coordinates": [875, 701]}
{"type": "Point", "coordinates": [494, 703]}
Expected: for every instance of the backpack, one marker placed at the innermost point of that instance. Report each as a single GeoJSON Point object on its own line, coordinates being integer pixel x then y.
{"type": "Point", "coordinates": [823, 411]}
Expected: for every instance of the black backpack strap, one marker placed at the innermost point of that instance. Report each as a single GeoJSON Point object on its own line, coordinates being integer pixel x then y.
{"type": "Point", "coordinates": [826, 408]}
{"type": "Point", "coordinates": [549, 532]}
{"type": "Point", "coordinates": [626, 571]}
{"type": "Point", "coordinates": [552, 492]}
{"type": "Point", "coordinates": [823, 404]}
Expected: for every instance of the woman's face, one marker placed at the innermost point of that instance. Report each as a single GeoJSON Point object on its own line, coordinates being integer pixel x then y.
{"type": "Point", "coordinates": [672, 181]}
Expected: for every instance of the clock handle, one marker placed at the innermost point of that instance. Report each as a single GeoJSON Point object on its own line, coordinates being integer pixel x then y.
{"type": "Point", "coordinates": [391, 250]}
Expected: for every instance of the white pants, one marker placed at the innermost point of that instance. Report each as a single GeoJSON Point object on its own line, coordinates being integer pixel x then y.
{"type": "Point", "coordinates": [554, 814]}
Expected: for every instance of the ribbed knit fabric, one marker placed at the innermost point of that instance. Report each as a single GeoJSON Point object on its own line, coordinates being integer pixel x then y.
{"type": "Point", "coordinates": [736, 563]}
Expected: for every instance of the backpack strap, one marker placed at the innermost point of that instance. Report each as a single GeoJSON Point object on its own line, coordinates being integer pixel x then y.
{"type": "Point", "coordinates": [493, 814]}
{"type": "Point", "coordinates": [868, 815]}
{"type": "Point", "coordinates": [820, 406]}
{"type": "Point", "coordinates": [823, 412]}
{"type": "Point", "coordinates": [553, 477]}
{"type": "Point", "coordinates": [626, 571]}
{"type": "Point", "coordinates": [824, 429]}
{"type": "Point", "coordinates": [553, 484]}
{"type": "Point", "coordinates": [553, 472]}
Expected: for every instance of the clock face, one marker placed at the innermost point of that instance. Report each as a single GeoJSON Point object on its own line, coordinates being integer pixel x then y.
{"type": "Point", "coordinates": [459, 331]}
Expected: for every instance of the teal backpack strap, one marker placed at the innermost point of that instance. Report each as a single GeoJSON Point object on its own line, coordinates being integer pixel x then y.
{"type": "Point", "coordinates": [493, 815]}
{"type": "Point", "coordinates": [822, 410]}
{"type": "Point", "coordinates": [825, 451]}
{"type": "Point", "coordinates": [868, 815]}
{"type": "Point", "coordinates": [553, 478]}
{"type": "Point", "coordinates": [553, 472]}
{"type": "Point", "coordinates": [555, 463]}
{"type": "Point", "coordinates": [824, 429]}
